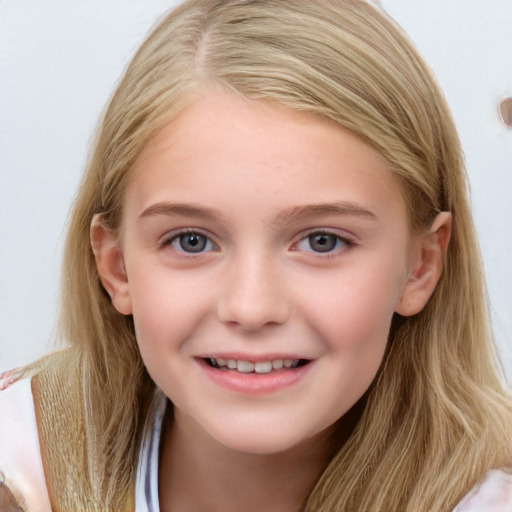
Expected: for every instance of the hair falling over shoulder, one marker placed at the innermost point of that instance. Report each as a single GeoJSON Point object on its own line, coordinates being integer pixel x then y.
{"type": "Point", "coordinates": [438, 416]}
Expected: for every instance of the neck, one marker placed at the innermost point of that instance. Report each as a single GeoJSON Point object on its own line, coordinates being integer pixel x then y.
{"type": "Point", "coordinates": [199, 474]}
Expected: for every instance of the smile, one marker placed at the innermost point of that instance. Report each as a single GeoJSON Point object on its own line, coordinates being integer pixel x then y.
{"type": "Point", "coordinates": [259, 376]}
{"type": "Point", "coordinates": [260, 367]}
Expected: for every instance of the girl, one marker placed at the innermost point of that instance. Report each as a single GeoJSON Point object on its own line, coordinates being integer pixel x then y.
{"type": "Point", "coordinates": [272, 288]}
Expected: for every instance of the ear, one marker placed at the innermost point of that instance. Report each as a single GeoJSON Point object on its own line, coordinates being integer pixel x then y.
{"type": "Point", "coordinates": [426, 266]}
{"type": "Point", "coordinates": [110, 264]}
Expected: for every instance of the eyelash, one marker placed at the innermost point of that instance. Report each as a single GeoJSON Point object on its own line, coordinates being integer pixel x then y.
{"type": "Point", "coordinates": [175, 236]}
{"type": "Point", "coordinates": [346, 242]}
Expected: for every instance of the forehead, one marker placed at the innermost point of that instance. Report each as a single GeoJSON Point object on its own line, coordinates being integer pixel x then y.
{"type": "Point", "coordinates": [226, 148]}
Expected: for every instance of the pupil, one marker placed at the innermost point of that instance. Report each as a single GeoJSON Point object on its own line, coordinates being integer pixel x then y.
{"type": "Point", "coordinates": [322, 242]}
{"type": "Point", "coordinates": [192, 242]}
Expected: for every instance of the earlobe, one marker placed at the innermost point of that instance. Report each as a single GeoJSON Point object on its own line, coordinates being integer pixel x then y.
{"type": "Point", "coordinates": [426, 266]}
{"type": "Point", "coordinates": [109, 262]}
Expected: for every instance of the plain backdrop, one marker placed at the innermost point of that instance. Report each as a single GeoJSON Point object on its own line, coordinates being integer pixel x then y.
{"type": "Point", "coordinates": [59, 62]}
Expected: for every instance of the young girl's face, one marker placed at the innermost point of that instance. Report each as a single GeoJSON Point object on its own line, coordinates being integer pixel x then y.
{"type": "Point", "coordinates": [258, 238]}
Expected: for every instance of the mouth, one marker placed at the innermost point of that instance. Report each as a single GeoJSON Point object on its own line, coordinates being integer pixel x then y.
{"type": "Point", "coordinates": [255, 367]}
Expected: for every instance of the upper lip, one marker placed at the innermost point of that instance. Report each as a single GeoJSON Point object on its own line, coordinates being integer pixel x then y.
{"type": "Point", "coordinates": [255, 358]}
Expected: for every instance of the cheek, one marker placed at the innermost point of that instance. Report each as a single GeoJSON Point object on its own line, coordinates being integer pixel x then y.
{"type": "Point", "coordinates": [166, 308]}
{"type": "Point", "coordinates": [358, 308]}
{"type": "Point", "coordinates": [353, 322]}
{"type": "Point", "coordinates": [162, 321]}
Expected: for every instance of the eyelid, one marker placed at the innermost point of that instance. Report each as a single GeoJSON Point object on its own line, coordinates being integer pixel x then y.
{"type": "Point", "coordinates": [348, 239]}
{"type": "Point", "coordinates": [170, 236]}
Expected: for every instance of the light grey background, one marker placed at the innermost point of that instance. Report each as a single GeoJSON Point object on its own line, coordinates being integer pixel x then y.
{"type": "Point", "coordinates": [59, 62]}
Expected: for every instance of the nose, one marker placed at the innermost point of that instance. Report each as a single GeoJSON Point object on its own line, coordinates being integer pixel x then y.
{"type": "Point", "coordinates": [253, 293]}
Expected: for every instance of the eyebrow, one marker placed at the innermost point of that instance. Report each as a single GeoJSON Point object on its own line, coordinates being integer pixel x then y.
{"type": "Point", "coordinates": [344, 208]}
{"type": "Point", "coordinates": [288, 216]}
{"type": "Point", "coordinates": [181, 209]}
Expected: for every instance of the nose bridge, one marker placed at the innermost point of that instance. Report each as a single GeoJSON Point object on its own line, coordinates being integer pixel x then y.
{"type": "Point", "coordinates": [253, 294]}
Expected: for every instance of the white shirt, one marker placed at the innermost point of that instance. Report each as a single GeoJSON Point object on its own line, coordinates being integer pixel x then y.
{"type": "Point", "coordinates": [21, 469]}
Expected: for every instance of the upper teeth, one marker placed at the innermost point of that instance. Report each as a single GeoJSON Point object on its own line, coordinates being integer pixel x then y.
{"type": "Point", "coordinates": [259, 367]}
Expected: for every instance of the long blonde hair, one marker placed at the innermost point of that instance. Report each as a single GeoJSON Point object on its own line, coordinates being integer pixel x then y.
{"type": "Point", "coordinates": [437, 417]}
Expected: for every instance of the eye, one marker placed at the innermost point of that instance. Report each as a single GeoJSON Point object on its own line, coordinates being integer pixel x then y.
{"type": "Point", "coordinates": [322, 242]}
{"type": "Point", "coordinates": [191, 242]}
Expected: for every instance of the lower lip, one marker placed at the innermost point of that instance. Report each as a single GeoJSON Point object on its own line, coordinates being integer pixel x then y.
{"type": "Point", "coordinates": [255, 383]}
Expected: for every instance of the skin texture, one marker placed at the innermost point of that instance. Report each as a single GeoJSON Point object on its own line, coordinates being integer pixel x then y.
{"type": "Point", "coordinates": [254, 182]}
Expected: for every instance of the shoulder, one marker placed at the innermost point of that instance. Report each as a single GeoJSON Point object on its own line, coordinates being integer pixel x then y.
{"type": "Point", "coordinates": [493, 494]}
{"type": "Point", "coordinates": [22, 481]}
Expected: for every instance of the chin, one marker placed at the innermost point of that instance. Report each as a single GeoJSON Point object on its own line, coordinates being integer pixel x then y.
{"type": "Point", "coordinates": [259, 446]}
{"type": "Point", "coordinates": [260, 440]}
